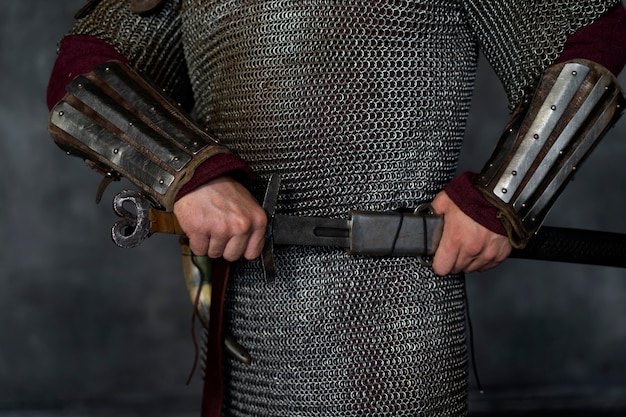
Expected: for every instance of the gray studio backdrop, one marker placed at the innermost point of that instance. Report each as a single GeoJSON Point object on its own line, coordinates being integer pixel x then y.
{"type": "Point", "coordinates": [88, 328]}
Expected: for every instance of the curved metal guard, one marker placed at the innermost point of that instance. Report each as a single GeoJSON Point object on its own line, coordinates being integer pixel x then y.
{"type": "Point", "coordinates": [134, 226]}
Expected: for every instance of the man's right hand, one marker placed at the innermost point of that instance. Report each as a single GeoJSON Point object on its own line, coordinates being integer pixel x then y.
{"type": "Point", "coordinates": [222, 219]}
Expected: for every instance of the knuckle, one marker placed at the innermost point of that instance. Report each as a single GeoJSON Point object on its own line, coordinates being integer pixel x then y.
{"type": "Point", "coordinates": [489, 254]}
{"type": "Point", "coordinates": [219, 230]}
{"type": "Point", "coordinates": [474, 249]}
{"type": "Point", "coordinates": [257, 220]}
{"type": "Point", "coordinates": [214, 252]}
{"type": "Point", "coordinates": [198, 248]}
{"type": "Point", "coordinates": [250, 222]}
{"type": "Point", "coordinates": [241, 226]}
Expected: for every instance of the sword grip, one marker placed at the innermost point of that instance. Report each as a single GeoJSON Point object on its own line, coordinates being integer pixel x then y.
{"type": "Point", "coordinates": [164, 222]}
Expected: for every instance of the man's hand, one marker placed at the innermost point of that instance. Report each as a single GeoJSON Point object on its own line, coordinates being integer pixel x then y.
{"type": "Point", "coordinates": [222, 219]}
{"type": "Point", "coordinates": [466, 246]}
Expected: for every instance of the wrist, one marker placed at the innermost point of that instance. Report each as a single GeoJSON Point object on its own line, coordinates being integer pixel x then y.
{"type": "Point", "coordinates": [217, 166]}
{"type": "Point", "coordinates": [464, 194]}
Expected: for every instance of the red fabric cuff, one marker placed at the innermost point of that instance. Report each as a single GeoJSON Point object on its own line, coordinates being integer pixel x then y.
{"type": "Point", "coordinates": [464, 194]}
{"type": "Point", "coordinates": [220, 164]}
{"type": "Point", "coordinates": [604, 41]}
{"type": "Point", "coordinates": [78, 54]}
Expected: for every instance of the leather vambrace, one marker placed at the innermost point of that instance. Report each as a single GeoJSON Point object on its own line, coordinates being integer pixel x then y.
{"type": "Point", "coordinates": [122, 125]}
{"type": "Point", "coordinates": [549, 136]}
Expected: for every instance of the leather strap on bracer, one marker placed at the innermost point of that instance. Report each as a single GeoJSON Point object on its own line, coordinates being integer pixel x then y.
{"type": "Point", "coordinates": [550, 134]}
{"type": "Point", "coordinates": [121, 125]}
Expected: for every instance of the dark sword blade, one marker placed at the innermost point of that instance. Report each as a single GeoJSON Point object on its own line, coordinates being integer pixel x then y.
{"type": "Point", "coordinates": [311, 231]}
{"type": "Point", "coordinates": [554, 244]}
{"type": "Point", "coordinates": [580, 246]}
{"type": "Point", "coordinates": [364, 233]}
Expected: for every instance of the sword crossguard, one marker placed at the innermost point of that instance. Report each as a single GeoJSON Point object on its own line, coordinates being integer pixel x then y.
{"type": "Point", "coordinates": [269, 204]}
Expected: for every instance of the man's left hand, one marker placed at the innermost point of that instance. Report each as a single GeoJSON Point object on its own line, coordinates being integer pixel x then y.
{"type": "Point", "coordinates": [466, 246]}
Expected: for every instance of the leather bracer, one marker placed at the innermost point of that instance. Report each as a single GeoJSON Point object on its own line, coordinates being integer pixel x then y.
{"type": "Point", "coordinates": [550, 134]}
{"type": "Point", "coordinates": [123, 126]}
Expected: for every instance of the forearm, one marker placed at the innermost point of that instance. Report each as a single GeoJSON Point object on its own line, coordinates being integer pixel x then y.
{"type": "Point", "coordinates": [104, 35]}
{"type": "Point", "coordinates": [603, 42]}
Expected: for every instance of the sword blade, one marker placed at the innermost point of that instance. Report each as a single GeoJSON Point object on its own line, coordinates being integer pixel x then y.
{"type": "Point", "coordinates": [554, 244]}
{"type": "Point", "coordinates": [364, 233]}
{"type": "Point", "coordinates": [418, 235]}
{"type": "Point", "coordinates": [310, 231]}
{"type": "Point", "coordinates": [580, 246]}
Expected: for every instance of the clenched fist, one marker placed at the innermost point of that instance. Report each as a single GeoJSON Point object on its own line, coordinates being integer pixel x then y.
{"type": "Point", "coordinates": [222, 219]}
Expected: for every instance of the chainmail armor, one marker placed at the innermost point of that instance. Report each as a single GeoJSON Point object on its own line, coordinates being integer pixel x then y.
{"type": "Point", "coordinates": [151, 44]}
{"type": "Point", "coordinates": [360, 106]}
{"type": "Point", "coordinates": [539, 29]}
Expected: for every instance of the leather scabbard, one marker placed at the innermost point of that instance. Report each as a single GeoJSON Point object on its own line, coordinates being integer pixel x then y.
{"type": "Point", "coordinates": [213, 390]}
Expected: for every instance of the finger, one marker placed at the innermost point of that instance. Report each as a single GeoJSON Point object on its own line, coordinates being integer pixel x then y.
{"type": "Point", "coordinates": [488, 260]}
{"type": "Point", "coordinates": [199, 246]}
{"type": "Point", "coordinates": [238, 247]}
{"type": "Point", "coordinates": [255, 246]}
{"type": "Point", "coordinates": [487, 267]}
{"type": "Point", "coordinates": [479, 265]}
{"type": "Point", "coordinates": [216, 248]}
{"type": "Point", "coordinates": [445, 260]}
{"type": "Point", "coordinates": [257, 238]}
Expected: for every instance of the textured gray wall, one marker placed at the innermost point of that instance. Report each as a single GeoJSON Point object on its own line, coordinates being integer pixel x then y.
{"type": "Point", "coordinates": [86, 326]}
{"type": "Point", "coordinates": [83, 324]}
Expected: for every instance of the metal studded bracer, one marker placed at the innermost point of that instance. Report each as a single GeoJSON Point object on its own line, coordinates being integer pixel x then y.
{"type": "Point", "coordinates": [551, 134]}
{"type": "Point", "coordinates": [123, 126]}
